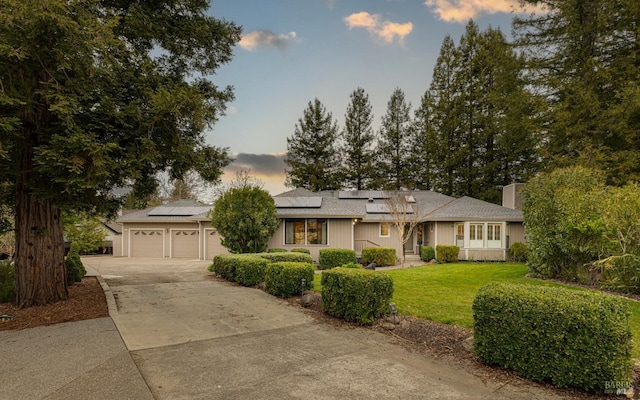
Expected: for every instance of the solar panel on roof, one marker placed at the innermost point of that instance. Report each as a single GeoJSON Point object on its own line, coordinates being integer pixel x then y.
{"type": "Point", "coordinates": [362, 194]}
{"type": "Point", "coordinates": [298, 202]}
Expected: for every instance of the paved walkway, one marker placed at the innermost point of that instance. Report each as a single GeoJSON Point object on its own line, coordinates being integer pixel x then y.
{"type": "Point", "coordinates": [185, 336]}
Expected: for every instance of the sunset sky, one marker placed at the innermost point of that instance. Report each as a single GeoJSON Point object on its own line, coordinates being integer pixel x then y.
{"type": "Point", "coordinates": [295, 50]}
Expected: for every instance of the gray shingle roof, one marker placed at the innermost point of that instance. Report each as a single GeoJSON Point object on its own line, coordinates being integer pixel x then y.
{"type": "Point", "coordinates": [168, 212]}
{"type": "Point", "coordinates": [466, 208]}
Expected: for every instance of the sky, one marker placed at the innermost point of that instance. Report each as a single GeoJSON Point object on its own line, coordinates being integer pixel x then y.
{"type": "Point", "coordinates": [293, 51]}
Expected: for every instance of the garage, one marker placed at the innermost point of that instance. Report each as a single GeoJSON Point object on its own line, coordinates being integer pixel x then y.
{"type": "Point", "coordinates": [147, 243]}
{"type": "Point", "coordinates": [184, 243]}
{"type": "Point", "coordinates": [212, 244]}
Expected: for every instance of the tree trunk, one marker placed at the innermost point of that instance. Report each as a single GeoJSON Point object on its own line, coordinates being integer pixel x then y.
{"type": "Point", "coordinates": [40, 271]}
{"type": "Point", "coordinates": [40, 276]}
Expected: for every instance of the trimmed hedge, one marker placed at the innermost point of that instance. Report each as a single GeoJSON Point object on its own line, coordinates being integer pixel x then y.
{"type": "Point", "coordinates": [7, 281]}
{"type": "Point", "coordinates": [356, 295]}
{"type": "Point", "coordinates": [427, 253]}
{"type": "Point", "coordinates": [566, 337]}
{"type": "Point", "coordinates": [277, 250]}
{"type": "Point", "coordinates": [447, 254]}
{"type": "Point", "coordinates": [300, 250]}
{"type": "Point", "coordinates": [291, 257]}
{"type": "Point", "coordinates": [224, 265]}
{"type": "Point", "coordinates": [250, 270]}
{"type": "Point", "coordinates": [352, 265]}
{"type": "Point", "coordinates": [331, 258]}
{"type": "Point", "coordinates": [382, 256]}
{"type": "Point", "coordinates": [285, 278]}
{"type": "Point", "coordinates": [75, 269]}
{"type": "Point", "coordinates": [518, 252]}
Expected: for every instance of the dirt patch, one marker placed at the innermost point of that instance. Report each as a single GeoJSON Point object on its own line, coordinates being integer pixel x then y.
{"type": "Point", "coordinates": [86, 301]}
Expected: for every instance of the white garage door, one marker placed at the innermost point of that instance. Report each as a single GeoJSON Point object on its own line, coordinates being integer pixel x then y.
{"type": "Point", "coordinates": [212, 244]}
{"type": "Point", "coordinates": [146, 243]}
{"type": "Point", "coordinates": [184, 243]}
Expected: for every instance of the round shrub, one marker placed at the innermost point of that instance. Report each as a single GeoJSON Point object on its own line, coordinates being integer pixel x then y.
{"type": "Point", "coordinates": [331, 258]}
{"type": "Point", "coordinates": [277, 250]}
{"type": "Point", "coordinates": [356, 295]}
{"type": "Point", "coordinates": [351, 265]}
{"type": "Point", "coordinates": [250, 270]}
{"type": "Point", "coordinates": [519, 252]}
{"type": "Point", "coordinates": [567, 337]}
{"type": "Point", "coordinates": [285, 278]}
{"type": "Point", "coordinates": [427, 253]}
{"type": "Point", "coordinates": [382, 256]}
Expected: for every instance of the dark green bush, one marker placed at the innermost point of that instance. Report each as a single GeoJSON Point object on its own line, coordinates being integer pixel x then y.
{"type": "Point", "coordinates": [351, 265]}
{"type": "Point", "coordinates": [567, 337]}
{"type": "Point", "coordinates": [300, 250]}
{"type": "Point", "coordinates": [331, 258]}
{"type": "Point", "coordinates": [276, 250]}
{"type": "Point", "coordinates": [447, 254]}
{"type": "Point", "coordinates": [75, 269]}
{"type": "Point", "coordinates": [427, 253]}
{"type": "Point", "coordinates": [250, 270]}
{"type": "Point", "coordinates": [224, 265]}
{"type": "Point", "coordinates": [293, 257]}
{"type": "Point", "coordinates": [382, 256]}
{"type": "Point", "coordinates": [285, 278]}
{"type": "Point", "coordinates": [7, 281]}
{"type": "Point", "coordinates": [356, 295]}
{"type": "Point", "coordinates": [518, 252]}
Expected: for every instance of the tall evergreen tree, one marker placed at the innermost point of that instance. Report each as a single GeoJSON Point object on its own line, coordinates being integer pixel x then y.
{"type": "Point", "coordinates": [88, 104]}
{"type": "Point", "coordinates": [394, 148]}
{"type": "Point", "coordinates": [442, 94]}
{"type": "Point", "coordinates": [312, 157]}
{"type": "Point", "coordinates": [584, 56]}
{"type": "Point", "coordinates": [423, 159]}
{"type": "Point", "coordinates": [357, 149]}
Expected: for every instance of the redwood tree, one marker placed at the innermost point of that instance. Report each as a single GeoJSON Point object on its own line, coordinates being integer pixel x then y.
{"type": "Point", "coordinates": [94, 95]}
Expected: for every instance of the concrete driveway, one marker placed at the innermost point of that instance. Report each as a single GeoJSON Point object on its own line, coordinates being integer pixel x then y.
{"type": "Point", "coordinates": [193, 337]}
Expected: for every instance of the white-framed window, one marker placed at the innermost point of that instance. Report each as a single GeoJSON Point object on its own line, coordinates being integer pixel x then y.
{"type": "Point", "coordinates": [494, 236]}
{"type": "Point", "coordinates": [385, 229]}
{"type": "Point", "coordinates": [305, 231]}
{"type": "Point", "coordinates": [476, 235]}
{"type": "Point", "coordinates": [460, 235]}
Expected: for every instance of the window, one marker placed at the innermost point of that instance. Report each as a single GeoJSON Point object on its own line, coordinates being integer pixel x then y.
{"type": "Point", "coordinates": [460, 235]}
{"type": "Point", "coordinates": [384, 229]}
{"type": "Point", "coordinates": [305, 231]}
{"type": "Point", "coordinates": [476, 235]}
{"type": "Point", "coordinates": [494, 236]}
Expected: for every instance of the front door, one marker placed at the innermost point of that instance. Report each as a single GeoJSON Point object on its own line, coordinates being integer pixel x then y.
{"type": "Point", "coordinates": [408, 244]}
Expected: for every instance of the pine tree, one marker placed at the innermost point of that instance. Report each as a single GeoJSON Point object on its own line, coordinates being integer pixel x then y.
{"type": "Point", "coordinates": [444, 119]}
{"type": "Point", "coordinates": [583, 56]}
{"type": "Point", "coordinates": [394, 149]}
{"type": "Point", "coordinates": [423, 158]}
{"type": "Point", "coordinates": [357, 150]}
{"type": "Point", "coordinates": [312, 158]}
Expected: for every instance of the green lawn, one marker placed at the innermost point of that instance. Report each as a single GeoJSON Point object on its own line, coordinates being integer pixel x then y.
{"type": "Point", "coordinates": [445, 292]}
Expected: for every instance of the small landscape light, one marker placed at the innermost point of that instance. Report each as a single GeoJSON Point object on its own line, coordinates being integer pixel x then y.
{"type": "Point", "coordinates": [393, 312]}
{"type": "Point", "coordinates": [304, 285]}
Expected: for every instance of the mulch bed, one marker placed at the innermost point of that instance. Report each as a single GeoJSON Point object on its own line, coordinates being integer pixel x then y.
{"type": "Point", "coordinates": [86, 301]}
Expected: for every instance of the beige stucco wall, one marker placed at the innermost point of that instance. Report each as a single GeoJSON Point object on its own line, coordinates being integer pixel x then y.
{"type": "Point", "coordinates": [516, 233]}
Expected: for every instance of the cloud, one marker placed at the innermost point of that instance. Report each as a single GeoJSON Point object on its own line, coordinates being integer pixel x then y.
{"type": "Point", "coordinates": [463, 10]}
{"type": "Point", "coordinates": [258, 164]}
{"type": "Point", "coordinates": [268, 168]}
{"type": "Point", "coordinates": [386, 30]}
{"type": "Point", "coordinates": [263, 37]}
